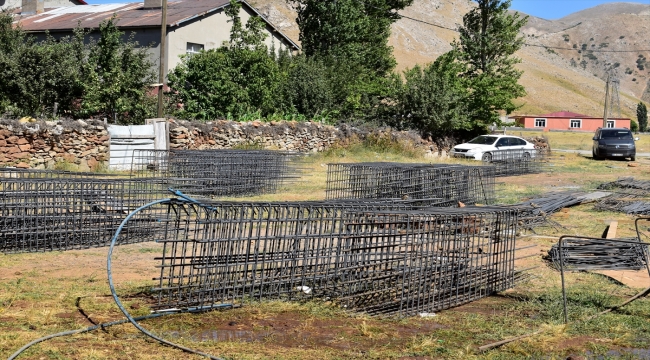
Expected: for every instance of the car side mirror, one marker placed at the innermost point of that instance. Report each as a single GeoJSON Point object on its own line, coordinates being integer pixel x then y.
{"type": "Point", "coordinates": [636, 138]}
{"type": "Point", "coordinates": [595, 138]}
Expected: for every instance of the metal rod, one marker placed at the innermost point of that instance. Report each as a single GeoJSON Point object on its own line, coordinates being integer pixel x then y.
{"type": "Point", "coordinates": [162, 73]}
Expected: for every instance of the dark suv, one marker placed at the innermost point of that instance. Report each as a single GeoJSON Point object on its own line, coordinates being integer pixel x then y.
{"type": "Point", "coordinates": [614, 143]}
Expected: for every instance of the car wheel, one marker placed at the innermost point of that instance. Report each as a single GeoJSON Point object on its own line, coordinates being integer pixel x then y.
{"type": "Point", "coordinates": [487, 157]}
{"type": "Point", "coordinates": [633, 158]}
{"type": "Point", "coordinates": [593, 155]}
{"type": "Point", "coordinates": [526, 156]}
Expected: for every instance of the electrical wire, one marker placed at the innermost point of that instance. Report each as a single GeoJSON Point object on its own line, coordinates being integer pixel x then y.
{"type": "Point", "coordinates": [525, 43]}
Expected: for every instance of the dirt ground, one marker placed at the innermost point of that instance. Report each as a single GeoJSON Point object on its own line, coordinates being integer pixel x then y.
{"type": "Point", "coordinates": [44, 293]}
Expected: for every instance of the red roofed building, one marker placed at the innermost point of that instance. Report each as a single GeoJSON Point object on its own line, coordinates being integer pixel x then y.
{"type": "Point", "coordinates": [566, 120]}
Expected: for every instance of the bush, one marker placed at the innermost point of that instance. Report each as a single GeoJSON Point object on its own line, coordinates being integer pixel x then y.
{"type": "Point", "coordinates": [434, 98]}
{"type": "Point", "coordinates": [308, 89]}
{"type": "Point", "coordinates": [100, 78]}
{"type": "Point", "coordinates": [226, 82]}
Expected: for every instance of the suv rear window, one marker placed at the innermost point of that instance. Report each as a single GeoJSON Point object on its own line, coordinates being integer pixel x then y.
{"type": "Point", "coordinates": [615, 134]}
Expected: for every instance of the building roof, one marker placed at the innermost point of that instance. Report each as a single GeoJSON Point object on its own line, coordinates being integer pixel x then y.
{"type": "Point", "coordinates": [128, 15]}
{"type": "Point", "coordinates": [568, 114]}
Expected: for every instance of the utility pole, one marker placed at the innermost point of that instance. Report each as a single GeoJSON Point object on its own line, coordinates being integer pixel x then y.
{"type": "Point", "coordinates": [606, 101]}
{"type": "Point", "coordinates": [161, 74]}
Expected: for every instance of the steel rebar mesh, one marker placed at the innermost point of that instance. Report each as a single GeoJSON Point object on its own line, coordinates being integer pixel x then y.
{"type": "Point", "coordinates": [536, 212]}
{"type": "Point", "coordinates": [378, 258]}
{"type": "Point", "coordinates": [584, 254]}
{"type": "Point", "coordinates": [628, 195]}
{"type": "Point", "coordinates": [467, 184]}
{"type": "Point", "coordinates": [47, 214]}
{"type": "Point", "coordinates": [15, 173]}
{"type": "Point", "coordinates": [217, 172]}
{"type": "Point", "coordinates": [517, 161]}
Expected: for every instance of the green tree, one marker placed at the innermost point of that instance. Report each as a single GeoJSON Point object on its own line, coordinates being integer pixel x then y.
{"type": "Point", "coordinates": [642, 116]}
{"type": "Point", "coordinates": [231, 81]}
{"type": "Point", "coordinates": [488, 40]}
{"type": "Point", "coordinates": [350, 30]}
{"type": "Point", "coordinates": [308, 88]}
{"type": "Point", "coordinates": [106, 77]}
{"type": "Point", "coordinates": [221, 83]}
{"type": "Point", "coordinates": [251, 36]}
{"type": "Point", "coordinates": [35, 75]}
{"type": "Point", "coordinates": [434, 99]}
{"type": "Point", "coordinates": [117, 74]}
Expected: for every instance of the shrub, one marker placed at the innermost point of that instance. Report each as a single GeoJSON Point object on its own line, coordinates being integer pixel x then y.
{"type": "Point", "coordinates": [101, 78]}
{"type": "Point", "coordinates": [434, 99]}
{"type": "Point", "coordinates": [308, 89]}
{"type": "Point", "coordinates": [226, 82]}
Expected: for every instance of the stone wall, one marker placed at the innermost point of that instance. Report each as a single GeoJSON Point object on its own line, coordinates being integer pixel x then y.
{"type": "Point", "coordinates": [284, 135]}
{"type": "Point", "coordinates": [48, 144]}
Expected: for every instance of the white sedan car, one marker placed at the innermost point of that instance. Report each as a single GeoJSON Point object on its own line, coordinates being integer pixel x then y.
{"type": "Point", "coordinates": [481, 147]}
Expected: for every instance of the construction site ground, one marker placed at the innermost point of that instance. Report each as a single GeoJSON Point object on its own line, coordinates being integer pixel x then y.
{"type": "Point", "coordinates": [45, 293]}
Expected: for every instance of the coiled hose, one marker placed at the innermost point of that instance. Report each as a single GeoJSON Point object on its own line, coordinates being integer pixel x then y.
{"type": "Point", "coordinates": [128, 316]}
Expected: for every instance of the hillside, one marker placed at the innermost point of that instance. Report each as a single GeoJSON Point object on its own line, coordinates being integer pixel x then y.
{"type": "Point", "coordinates": [553, 80]}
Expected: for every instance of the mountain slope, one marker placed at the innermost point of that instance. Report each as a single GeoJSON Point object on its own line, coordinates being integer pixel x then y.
{"type": "Point", "coordinates": [553, 81]}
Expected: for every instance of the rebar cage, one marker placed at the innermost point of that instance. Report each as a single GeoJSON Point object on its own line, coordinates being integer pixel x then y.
{"type": "Point", "coordinates": [58, 213]}
{"type": "Point", "coordinates": [517, 161]}
{"type": "Point", "coordinates": [467, 184]}
{"type": "Point", "coordinates": [585, 254]}
{"type": "Point", "coordinates": [582, 253]}
{"type": "Point", "coordinates": [217, 172]}
{"type": "Point", "coordinates": [630, 196]}
{"type": "Point", "coordinates": [372, 257]}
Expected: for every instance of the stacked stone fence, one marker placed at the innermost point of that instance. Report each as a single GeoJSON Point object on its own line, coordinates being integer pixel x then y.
{"type": "Point", "coordinates": [44, 144]}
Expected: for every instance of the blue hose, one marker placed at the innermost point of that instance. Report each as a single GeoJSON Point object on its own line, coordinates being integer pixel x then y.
{"type": "Point", "coordinates": [129, 318]}
{"type": "Point", "coordinates": [73, 332]}
{"type": "Point", "coordinates": [117, 299]}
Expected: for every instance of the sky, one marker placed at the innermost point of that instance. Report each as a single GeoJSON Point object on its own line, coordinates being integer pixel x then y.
{"type": "Point", "coordinates": [546, 9]}
{"type": "Point", "coordinates": [555, 9]}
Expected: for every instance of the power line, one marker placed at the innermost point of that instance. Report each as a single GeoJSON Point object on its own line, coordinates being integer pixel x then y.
{"type": "Point", "coordinates": [525, 43]}
{"type": "Point", "coordinates": [587, 50]}
{"type": "Point", "coordinates": [532, 45]}
{"type": "Point", "coordinates": [425, 22]}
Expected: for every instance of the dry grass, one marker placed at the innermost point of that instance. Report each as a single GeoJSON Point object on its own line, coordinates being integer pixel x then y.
{"type": "Point", "coordinates": [577, 140]}
{"type": "Point", "coordinates": [45, 293]}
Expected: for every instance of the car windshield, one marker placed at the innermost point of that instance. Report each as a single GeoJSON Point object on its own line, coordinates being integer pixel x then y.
{"type": "Point", "coordinates": [483, 140]}
{"type": "Point", "coordinates": [616, 134]}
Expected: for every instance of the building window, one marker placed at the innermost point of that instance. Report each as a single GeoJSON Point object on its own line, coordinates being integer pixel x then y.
{"type": "Point", "coordinates": [540, 122]}
{"type": "Point", "coordinates": [194, 48]}
{"type": "Point", "coordinates": [611, 123]}
{"type": "Point", "coordinates": [576, 124]}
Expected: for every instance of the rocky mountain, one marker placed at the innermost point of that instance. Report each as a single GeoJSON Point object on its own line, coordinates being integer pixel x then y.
{"type": "Point", "coordinates": [570, 78]}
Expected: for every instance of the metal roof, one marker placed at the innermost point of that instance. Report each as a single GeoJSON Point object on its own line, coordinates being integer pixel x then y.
{"type": "Point", "coordinates": [128, 15]}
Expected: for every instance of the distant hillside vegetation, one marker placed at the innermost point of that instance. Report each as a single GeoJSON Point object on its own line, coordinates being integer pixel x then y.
{"type": "Point", "coordinates": [555, 79]}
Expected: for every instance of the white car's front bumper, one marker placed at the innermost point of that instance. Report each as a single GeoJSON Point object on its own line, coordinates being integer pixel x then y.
{"type": "Point", "coordinates": [468, 156]}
